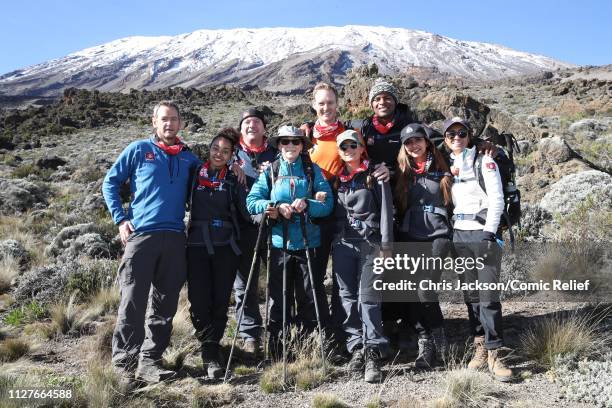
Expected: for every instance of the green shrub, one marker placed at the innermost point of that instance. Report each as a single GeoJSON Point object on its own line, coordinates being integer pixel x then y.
{"type": "Point", "coordinates": [25, 314]}
{"type": "Point", "coordinates": [25, 170]}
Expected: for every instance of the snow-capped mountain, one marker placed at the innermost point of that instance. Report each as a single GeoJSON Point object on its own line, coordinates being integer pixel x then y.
{"type": "Point", "coordinates": [281, 59]}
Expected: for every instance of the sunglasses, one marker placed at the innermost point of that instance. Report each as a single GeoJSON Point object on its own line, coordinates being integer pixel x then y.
{"type": "Point", "coordinates": [286, 142]}
{"type": "Point", "coordinates": [461, 133]}
{"type": "Point", "coordinates": [345, 146]}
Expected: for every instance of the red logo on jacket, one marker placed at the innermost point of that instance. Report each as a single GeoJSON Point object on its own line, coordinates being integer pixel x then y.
{"type": "Point", "coordinates": [149, 156]}
{"type": "Point", "coordinates": [491, 166]}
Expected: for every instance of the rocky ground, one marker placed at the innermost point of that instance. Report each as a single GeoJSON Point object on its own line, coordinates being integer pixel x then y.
{"type": "Point", "coordinates": [59, 250]}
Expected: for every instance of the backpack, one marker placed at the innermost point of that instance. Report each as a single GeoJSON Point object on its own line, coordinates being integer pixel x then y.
{"type": "Point", "coordinates": [506, 144]}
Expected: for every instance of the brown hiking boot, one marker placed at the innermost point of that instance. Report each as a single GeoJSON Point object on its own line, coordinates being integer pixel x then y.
{"type": "Point", "coordinates": [498, 367]}
{"type": "Point", "coordinates": [479, 359]}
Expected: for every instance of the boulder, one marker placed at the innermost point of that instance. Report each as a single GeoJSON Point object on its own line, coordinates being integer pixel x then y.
{"type": "Point", "coordinates": [554, 150]}
{"type": "Point", "coordinates": [566, 194]}
{"type": "Point", "coordinates": [50, 162]}
{"type": "Point", "coordinates": [591, 125]}
{"type": "Point", "coordinates": [18, 195]}
{"type": "Point", "coordinates": [76, 240]}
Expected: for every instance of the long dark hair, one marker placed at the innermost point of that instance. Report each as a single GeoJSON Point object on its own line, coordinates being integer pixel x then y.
{"type": "Point", "coordinates": [406, 175]}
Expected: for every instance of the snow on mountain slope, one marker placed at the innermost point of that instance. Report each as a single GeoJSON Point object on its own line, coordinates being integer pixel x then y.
{"type": "Point", "coordinates": [244, 56]}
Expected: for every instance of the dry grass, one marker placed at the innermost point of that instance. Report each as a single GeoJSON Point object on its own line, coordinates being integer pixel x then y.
{"type": "Point", "coordinates": [244, 370]}
{"type": "Point", "coordinates": [64, 316]}
{"type": "Point", "coordinates": [101, 385]}
{"type": "Point", "coordinates": [322, 400]}
{"type": "Point", "coordinates": [464, 387]}
{"type": "Point", "coordinates": [105, 301]}
{"type": "Point", "coordinates": [9, 270]}
{"type": "Point", "coordinates": [214, 396]}
{"type": "Point", "coordinates": [103, 339]}
{"type": "Point", "coordinates": [571, 334]}
{"type": "Point", "coordinates": [13, 349]}
{"type": "Point", "coordinates": [305, 372]}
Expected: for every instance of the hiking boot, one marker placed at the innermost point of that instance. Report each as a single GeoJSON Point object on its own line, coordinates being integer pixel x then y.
{"type": "Point", "coordinates": [251, 346]}
{"type": "Point", "coordinates": [479, 359]}
{"type": "Point", "coordinates": [426, 357]}
{"type": "Point", "coordinates": [498, 368]}
{"type": "Point", "coordinates": [439, 338]}
{"type": "Point", "coordinates": [150, 371]}
{"type": "Point", "coordinates": [212, 360]}
{"type": "Point", "coordinates": [214, 370]}
{"type": "Point", "coordinates": [357, 362]}
{"type": "Point", "coordinates": [373, 374]}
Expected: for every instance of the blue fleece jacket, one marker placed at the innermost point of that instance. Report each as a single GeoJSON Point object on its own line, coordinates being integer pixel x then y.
{"type": "Point", "coordinates": [159, 184]}
{"type": "Point", "coordinates": [282, 192]}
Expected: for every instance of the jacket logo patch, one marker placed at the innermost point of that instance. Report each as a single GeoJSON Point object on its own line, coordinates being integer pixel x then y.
{"type": "Point", "coordinates": [490, 166]}
{"type": "Point", "coordinates": [149, 156]}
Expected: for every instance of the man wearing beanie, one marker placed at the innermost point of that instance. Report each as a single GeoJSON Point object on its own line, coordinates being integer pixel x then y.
{"type": "Point", "coordinates": [381, 131]}
{"type": "Point", "coordinates": [254, 154]}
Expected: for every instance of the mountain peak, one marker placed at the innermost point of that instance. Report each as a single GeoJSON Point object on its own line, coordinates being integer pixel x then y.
{"type": "Point", "coordinates": [263, 56]}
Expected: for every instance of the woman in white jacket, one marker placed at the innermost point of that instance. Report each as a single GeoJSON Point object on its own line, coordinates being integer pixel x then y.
{"type": "Point", "coordinates": [477, 213]}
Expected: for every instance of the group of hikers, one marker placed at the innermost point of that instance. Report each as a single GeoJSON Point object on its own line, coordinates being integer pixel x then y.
{"type": "Point", "coordinates": [346, 190]}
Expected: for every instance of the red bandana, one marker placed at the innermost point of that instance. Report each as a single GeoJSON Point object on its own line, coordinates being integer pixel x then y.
{"type": "Point", "coordinates": [362, 167]}
{"type": "Point", "coordinates": [380, 128]}
{"type": "Point", "coordinates": [259, 149]}
{"type": "Point", "coordinates": [420, 167]}
{"type": "Point", "coordinates": [321, 131]}
{"type": "Point", "coordinates": [213, 182]}
{"type": "Point", "coordinates": [171, 150]}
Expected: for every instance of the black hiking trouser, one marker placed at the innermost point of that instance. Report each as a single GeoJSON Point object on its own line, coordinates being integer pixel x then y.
{"type": "Point", "coordinates": [320, 261]}
{"type": "Point", "coordinates": [152, 270]}
{"type": "Point", "coordinates": [300, 301]}
{"type": "Point", "coordinates": [424, 313]}
{"type": "Point", "coordinates": [250, 327]}
{"type": "Point", "coordinates": [484, 308]}
{"type": "Point", "coordinates": [210, 279]}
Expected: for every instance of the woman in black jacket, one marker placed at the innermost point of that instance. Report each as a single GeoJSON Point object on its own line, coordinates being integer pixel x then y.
{"type": "Point", "coordinates": [423, 202]}
{"type": "Point", "coordinates": [217, 205]}
{"type": "Point", "coordinates": [364, 219]}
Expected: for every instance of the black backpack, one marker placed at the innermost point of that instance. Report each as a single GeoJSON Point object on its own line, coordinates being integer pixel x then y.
{"type": "Point", "coordinates": [506, 145]}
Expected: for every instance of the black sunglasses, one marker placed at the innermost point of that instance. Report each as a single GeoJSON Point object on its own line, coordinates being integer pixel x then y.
{"type": "Point", "coordinates": [345, 146]}
{"type": "Point", "coordinates": [461, 133]}
{"type": "Point", "coordinates": [286, 142]}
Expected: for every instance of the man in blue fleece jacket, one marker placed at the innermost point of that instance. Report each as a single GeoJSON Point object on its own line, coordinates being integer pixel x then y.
{"type": "Point", "coordinates": [153, 232]}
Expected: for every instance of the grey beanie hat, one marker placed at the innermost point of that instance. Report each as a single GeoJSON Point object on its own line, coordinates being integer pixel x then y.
{"type": "Point", "coordinates": [380, 86]}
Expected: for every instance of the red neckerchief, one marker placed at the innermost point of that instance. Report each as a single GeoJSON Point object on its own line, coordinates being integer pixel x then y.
{"type": "Point", "coordinates": [249, 149]}
{"type": "Point", "coordinates": [322, 131]}
{"type": "Point", "coordinates": [420, 167]}
{"type": "Point", "coordinates": [171, 150]}
{"type": "Point", "coordinates": [215, 182]}
{"type": "Point", "coordinates": [380, 128]}
{"type": "Point", "coordinates": [348, 177]}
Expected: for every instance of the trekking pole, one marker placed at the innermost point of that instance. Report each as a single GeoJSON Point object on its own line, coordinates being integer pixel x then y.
{"type": "Point", "coordinates": [246, 293]}
{"type": "Point", "coordinates": [314, 292]}
{"type": "Point", "coordinates": [285, 300]}
{"type": "Point", "coordinates": [267, 314]}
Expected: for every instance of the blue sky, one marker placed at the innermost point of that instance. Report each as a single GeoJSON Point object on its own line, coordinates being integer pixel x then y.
{"type": "Point", "coordinates": [578, 32]}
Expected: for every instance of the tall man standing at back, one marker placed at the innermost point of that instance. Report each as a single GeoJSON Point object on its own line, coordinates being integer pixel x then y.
{"type": "Point", "coordinates": [153, 232]}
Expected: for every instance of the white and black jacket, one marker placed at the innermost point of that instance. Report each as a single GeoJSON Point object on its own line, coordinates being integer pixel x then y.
{"type": "Point", "coordinates": [469, 199]}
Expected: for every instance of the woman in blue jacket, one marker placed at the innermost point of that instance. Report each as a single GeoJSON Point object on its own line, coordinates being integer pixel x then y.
{"type": "Point", "coordinates": [285, 191]}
